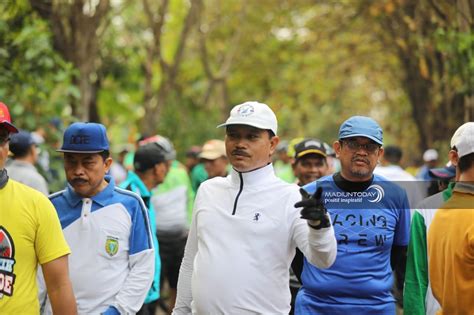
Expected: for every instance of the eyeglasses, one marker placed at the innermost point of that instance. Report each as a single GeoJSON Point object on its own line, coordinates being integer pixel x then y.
{"type": "Point", "coordinates": [355, 146]}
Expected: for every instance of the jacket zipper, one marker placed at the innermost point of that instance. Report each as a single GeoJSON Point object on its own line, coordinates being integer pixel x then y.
{"type": "Point", "coordinates": [238, 194]}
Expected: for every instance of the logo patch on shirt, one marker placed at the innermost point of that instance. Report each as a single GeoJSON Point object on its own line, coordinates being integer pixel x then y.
{"type": "Point", "coordinates": [256, 216]}
{"type": "Point", "coordinates": [111, 245]}
{"type": "Point", "coordinates": [7, 261]}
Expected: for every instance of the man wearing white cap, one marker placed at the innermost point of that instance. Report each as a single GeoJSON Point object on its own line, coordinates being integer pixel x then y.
{"type": "Point", "coordinates": [430, 157]}
{"type": "Point", "coordinates": [418, 297]}
{"type": "Point", "coordinates": [451, 235]}
{"type": "Point", "coordinates": [214, 158]}
{"type": "Point", "coordinates": [245, 228]}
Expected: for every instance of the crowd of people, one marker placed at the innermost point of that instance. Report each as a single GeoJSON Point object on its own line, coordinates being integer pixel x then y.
{"type": "Point", "coordinates": [249, 224]}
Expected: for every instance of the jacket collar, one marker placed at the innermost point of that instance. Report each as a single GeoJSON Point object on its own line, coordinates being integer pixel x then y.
{"type": "Point", "coordinates": [136, 181]}
{"type": "Point", "coordinates": [258, 176]}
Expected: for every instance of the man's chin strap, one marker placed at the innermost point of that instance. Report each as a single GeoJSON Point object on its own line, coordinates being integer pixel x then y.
{"type": "Point", "coordinates": [3, 178]}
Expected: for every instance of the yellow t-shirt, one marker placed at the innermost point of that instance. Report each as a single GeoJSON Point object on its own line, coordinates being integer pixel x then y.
{"type": "Point", "coordinates": [451, 254]}
{"type": "Point", "coordinates": [30, 233]}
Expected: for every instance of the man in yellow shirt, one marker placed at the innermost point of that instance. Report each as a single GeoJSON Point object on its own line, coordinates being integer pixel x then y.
{"type": "Point", "coordinates": [451, 235]}
{"type": "Point", "coordinates": [30, 233]}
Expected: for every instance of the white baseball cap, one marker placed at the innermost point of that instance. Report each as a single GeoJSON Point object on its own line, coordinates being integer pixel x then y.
{"type": "Point", "coordinates": [430, 155]}
{"type": "Point", "coordinates": [253, 114]}
{"type": "Point", "coordinates": [463, 139]}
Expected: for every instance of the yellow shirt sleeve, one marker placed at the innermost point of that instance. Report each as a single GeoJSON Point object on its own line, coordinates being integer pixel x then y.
{"type": "Point", "coordinates": [50, 242]}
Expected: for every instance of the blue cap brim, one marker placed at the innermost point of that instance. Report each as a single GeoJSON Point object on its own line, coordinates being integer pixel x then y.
{"type": "Point", "coordinates": [75, 151]}
{"type": "Point", "coordinates": [443, 172]}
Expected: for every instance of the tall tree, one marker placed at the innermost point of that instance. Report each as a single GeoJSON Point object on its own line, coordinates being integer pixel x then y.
{"type": "Point", "coordinates": [77, 28]}
{"type": "Point", "coordinates": [156, 96]}
{"type": "Point", "coordinates": [434, 44]}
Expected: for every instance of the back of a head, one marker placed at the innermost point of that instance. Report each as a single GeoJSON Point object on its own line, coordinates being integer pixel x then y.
{"type": "Point", "coordinates": [393, 154]}
{"type": "Point", "coordinates": [164, 143]}
{"type": "Point", "coordinates": [20, 144]}
{"type": "Point", "coordinates": [463, 142]}
{"type": "Point", "coordinates": [147, 156]}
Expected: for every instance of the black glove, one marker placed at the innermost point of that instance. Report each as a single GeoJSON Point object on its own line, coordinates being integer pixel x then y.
{"type": "Point", "coordinates": [313, 209]}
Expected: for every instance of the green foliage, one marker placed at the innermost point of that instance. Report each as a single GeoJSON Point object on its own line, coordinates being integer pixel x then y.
{"type": "Point", "coordinates": [315, 63]}
{"type": "Point", "coordinates": [459, 50]}
{"type": "Point", "coordinates": [34, 81]}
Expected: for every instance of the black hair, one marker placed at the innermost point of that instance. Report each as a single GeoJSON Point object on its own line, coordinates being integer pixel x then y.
{"type": "Point", "coordinates": [393, 154]}
{"type": "Point", "coordinates": [271, 134]}
{"type": "Point", "coordinates": [104, 154]}
{"type": "Point", "coordinates": [20, 151]}
{"type": "Point", "coordinates": [466, 162]}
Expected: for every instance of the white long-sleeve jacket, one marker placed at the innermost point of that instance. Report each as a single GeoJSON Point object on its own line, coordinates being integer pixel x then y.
{"type": "Point", "coordinates": [242, 240]}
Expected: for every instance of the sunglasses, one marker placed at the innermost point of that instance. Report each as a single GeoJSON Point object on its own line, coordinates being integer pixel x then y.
{"type": "Point", "coordinates": [355, 146]}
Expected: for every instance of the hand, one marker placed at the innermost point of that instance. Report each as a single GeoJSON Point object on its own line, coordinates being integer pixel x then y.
{"type": "Point", "coordinates": [313, 209]}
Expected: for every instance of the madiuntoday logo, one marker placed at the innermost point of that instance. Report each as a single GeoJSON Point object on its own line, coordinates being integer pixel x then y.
{"type": "Point", "coordinates": [380, 193]}
{"type": "Point", "coordinates": [374, 193]}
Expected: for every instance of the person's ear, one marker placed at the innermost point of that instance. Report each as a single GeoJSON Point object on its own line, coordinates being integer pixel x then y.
{"type": "Point", "coordinates": [273, 144]}
{"type": "Point", "coordinates": [337, 147]}
{"type": "Point", "coordinates": [108, 162]}
{"type": "Point", "coordinates": [380, 153]}
{"type": "Point", "coordinates": [454, 157]}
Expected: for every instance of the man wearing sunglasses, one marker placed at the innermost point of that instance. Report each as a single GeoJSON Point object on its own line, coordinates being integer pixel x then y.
{"type": "Point", "coordinates": [30, 234]}
{"type": "Point", "coordinates": [371, 220]}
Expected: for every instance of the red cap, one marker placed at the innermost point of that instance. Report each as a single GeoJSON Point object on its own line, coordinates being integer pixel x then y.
{"type": "Point", "coordinates": [5, 120]}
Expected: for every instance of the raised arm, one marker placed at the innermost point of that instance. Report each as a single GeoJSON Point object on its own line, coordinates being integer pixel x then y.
{"type": "Point", "coordinates": [313, 232]}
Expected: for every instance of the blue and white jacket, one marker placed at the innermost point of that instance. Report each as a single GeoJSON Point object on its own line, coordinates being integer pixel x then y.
{"type": "Point", "coordinates": [112, 261]}
{"type": "Point", "coordinates": [135, 184]}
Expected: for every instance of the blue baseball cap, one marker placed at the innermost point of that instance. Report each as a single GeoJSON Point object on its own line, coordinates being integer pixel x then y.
{"type": "Point", "coordinates": [21, 142]}
{"type": "Point", "coordinates": [361, 126]}
{"type": "Point", "coordinates": [447, 172]}
{"type": "Point", "coordinates": [85, 137]}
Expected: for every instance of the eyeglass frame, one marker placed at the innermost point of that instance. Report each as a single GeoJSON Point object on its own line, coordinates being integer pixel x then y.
{"type": "Point", "coordinates": [353, 145]}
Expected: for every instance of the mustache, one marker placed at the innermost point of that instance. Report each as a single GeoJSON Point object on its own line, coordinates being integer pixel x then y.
{"type": "Point", "coordinates": [78, 180]}
{"type": "Point", "coordinates": [359, 158]}
{"type": "Point", "coordinates": [240, 152]}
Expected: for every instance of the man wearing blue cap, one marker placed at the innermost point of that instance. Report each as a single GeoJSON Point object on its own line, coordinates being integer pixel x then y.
{"type": "Point", "coordinates": [21, 167]}
{"type": "Point", "coordinates": [371, 220]}
{"type": "Point", "coordinates": [112, 261]}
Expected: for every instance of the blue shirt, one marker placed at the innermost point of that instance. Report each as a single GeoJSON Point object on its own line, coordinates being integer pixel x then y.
{"type": "Point", "coordinates": [366, 225]}
{"type": "Point", "coordinates": [135, 184]}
